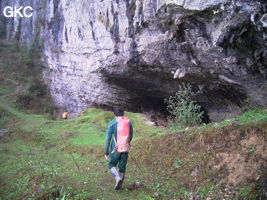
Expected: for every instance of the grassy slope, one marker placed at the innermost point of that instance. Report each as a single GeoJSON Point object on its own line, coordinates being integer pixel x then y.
{"type": "Point", "coordinates": [38, 154]}
{"type": "Point", "coordinates": [43, 159]}
{"type": "Point", "coordinates": [210, 159]}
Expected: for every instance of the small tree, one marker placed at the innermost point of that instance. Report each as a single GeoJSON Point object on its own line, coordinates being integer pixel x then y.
{"type": "Point", "coordinates": [182, 107]}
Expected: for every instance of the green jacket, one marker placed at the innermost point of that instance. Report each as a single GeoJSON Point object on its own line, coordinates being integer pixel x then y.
{"type": "Point", "coordinates": [112, 131]}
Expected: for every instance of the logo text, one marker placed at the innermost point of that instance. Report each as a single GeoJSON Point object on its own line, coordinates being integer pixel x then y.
{"type": "Point", "coordinates": [18, 12]}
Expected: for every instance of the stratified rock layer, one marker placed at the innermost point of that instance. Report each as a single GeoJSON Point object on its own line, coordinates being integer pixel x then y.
{"type": "Point", "coordinates": [135, 53]}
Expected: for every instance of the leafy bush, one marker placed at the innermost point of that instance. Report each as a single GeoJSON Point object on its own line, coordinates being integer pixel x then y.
{"type": "Point", "coordinates": [26, 58]}
{"type": "Point", "coordinates": [183, 109]}
{"type": "Point", "coordinates": [30, 57]}
{"type": "Point", "coordinates": [37, 88]}
{"type": "Point", "coordinates": [24, 101]}
{"type": "Point", "coordinates": [35, 104]}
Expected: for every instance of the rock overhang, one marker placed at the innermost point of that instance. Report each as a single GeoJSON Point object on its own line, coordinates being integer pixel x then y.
{"type": "Point", "coordinates": [128, 51]}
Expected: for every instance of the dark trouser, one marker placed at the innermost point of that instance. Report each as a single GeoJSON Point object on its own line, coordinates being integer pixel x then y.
{"type": "Point", "coordinates": [120, 158]}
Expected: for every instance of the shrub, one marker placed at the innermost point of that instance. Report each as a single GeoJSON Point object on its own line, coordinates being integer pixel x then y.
{"type": "Point", "coordinates": [183, 109]}
{"type": "Point", "coordinates": [35, 104]}
{"type": "Point", "coordinates": [24, 101]}
{"type": "Point", "coordinates": [37, 88]}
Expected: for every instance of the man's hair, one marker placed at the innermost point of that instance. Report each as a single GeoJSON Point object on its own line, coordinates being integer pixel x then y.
{"type": "Point", "coordinates": [118, 111]}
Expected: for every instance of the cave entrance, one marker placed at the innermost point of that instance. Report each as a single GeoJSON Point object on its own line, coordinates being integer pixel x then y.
{"type": "Point", "coordinates": [145, 104]}
{"type": "Point", "coordinates": [153, 107]}
{"type": "Point", "coordinates": [142, 96]}
{"type": "Point", "coordinates": [146, 95]}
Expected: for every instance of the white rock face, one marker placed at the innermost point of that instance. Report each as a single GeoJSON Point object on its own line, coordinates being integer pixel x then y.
{"type": "Point", "coordinates": [123, 52]}
{"type": "Point", "coordinates": [83, 45]}
{"type": "Point", "coordinates": [193, 4]}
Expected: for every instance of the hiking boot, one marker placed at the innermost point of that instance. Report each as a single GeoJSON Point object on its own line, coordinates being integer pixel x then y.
{"type": "Point", "coordinates": [117, 177]}
{"type": "Point", "coordinates": [118, 183]}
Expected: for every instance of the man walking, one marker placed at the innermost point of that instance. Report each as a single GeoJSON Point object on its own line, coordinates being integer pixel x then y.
{"type": "Point", "coordinates": [118, 138]}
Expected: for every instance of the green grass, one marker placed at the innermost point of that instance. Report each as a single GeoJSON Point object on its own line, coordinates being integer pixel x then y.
{"type": "Point", "coordinates": [26, 169]}
{"type": "Point", "coordinates": [41, 154]}
{"type": "Point", "coordinates": [251, 117]}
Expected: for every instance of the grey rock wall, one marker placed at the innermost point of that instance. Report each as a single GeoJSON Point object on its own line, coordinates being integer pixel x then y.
{"type": "Point", "coordinates": [136, 52]}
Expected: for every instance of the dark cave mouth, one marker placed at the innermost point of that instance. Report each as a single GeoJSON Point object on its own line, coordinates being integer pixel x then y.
{"type": "Point", "coordinates": [146, 104]}
{"type": "Point", "coordinates": [153, 107]}
{"type": "Point", "coordinates": [156, 109]}
{"type": "Point", "coordinates": [146, 95]}
{"type": "Point", "coordinates": [143, 94]}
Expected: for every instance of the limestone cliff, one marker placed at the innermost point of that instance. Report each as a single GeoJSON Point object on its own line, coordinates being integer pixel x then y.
{"type": "Point", "coordinates": [137, 52]}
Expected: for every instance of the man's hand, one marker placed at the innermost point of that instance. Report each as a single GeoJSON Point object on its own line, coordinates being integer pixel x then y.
{"type": "Point", "coordinates": [106, 156]}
